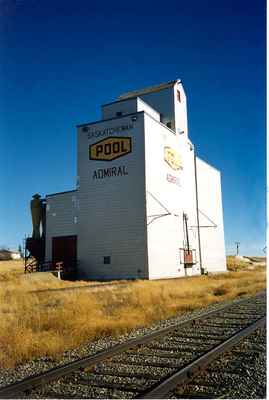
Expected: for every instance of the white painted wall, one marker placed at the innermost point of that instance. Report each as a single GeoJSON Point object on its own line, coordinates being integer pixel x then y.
{"type": "Point", "coordinates": [165, 235]}
{"type": "Point", "coordinates": [112, 210]}
{"type": "Point", "coordinates": [181, 120]}
{"type": "Point", "coordinates": [163, 102]}
{"type": "Point", "coordinates": [128, 106]}
{"type": "Point", "coordinates": [124, 106]}
{"type": "Point", "coordinates": [189, 200]}
{"type": "Point", "coordinates": [210, 204]}
{"type": "Point", "coordinates": [142, 106]}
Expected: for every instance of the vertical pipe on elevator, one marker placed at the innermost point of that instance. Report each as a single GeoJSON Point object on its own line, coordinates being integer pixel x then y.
{"type": "Point", "coordinates": [197, 214]}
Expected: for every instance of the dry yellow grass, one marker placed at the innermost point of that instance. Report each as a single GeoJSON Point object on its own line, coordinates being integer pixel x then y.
{"type": "Point", "coordinates": [45, 323]}
{"type": "Point", "coordinates": [234, 264]}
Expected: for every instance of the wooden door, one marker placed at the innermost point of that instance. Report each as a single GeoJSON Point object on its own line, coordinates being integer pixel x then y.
{"type": "Point", "coordinates": [64, 249]}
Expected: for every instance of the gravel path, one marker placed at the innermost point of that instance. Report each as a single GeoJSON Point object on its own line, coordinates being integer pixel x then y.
{"type": "Point", "coordinates": [42, 364]}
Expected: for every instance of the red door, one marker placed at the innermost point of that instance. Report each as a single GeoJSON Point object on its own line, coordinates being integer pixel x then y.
{"type": "Point", "coordinates": [64, 249]}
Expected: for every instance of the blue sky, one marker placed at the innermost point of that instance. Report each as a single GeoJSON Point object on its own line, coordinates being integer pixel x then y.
{"type": "Point", "coordinates": [61, 60]}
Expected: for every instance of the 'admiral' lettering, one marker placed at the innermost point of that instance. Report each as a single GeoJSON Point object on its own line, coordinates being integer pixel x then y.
{"type": "Point", "coordinates": [109, 172]}
{"type": "Point", "coordinates": [173, 179]}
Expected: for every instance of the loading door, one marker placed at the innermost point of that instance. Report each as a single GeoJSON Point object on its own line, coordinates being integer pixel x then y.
{"type": "Point", "coordinates": [64, 249]}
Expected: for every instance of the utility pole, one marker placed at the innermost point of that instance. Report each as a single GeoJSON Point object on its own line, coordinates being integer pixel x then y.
{"type": "Point", "coordinates": [237, 248]}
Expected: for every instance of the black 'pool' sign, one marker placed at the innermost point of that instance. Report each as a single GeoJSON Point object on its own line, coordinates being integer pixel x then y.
{"type": "Point", "coordinates": [111, 148]}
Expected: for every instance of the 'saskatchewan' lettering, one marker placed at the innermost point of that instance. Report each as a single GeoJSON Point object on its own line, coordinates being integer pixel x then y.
{"type": "Point", "coordinates": [107, 131]}
{"type": "Point", "coordinates": [110, 172]}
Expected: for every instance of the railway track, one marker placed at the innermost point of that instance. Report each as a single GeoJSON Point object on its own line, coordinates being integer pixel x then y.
{"type": "Point", "coordinates": [153, 366]}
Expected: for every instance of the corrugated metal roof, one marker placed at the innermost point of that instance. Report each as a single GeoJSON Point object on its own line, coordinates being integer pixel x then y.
{"type": "Point", "coordinates": [150, 89]}
{"type": "Point", "coordinates": [57, 193]}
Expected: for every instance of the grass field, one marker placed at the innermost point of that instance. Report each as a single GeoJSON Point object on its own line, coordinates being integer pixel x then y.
{"type": "Point", "coordinates": [39, 320]}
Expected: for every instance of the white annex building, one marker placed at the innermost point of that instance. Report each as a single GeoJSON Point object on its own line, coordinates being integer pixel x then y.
{"type": "Point", "coordinates": [145, 205]}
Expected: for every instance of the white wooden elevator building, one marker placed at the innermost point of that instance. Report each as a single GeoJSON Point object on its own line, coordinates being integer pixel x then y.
{"type": "Point", "coordinates": [145, 205]}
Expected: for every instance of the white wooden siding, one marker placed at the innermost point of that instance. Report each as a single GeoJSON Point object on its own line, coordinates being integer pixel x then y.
{"type": "Point", "coordinates": [210, 204]}
{"type": "Point", "coordinates": [112, 210]}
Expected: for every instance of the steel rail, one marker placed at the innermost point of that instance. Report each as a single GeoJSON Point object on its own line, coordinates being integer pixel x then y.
{"type": "Point", "coordinates": [35, 381]}
{"type": "Point", "coordinates": [194, 368]}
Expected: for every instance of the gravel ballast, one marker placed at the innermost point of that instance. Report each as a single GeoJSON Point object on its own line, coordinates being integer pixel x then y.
{"type": "Point", "coordinates": [240, 373]}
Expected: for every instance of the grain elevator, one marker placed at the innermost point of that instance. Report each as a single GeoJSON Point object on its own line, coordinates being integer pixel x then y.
{"type": "Point", "coordinates": [145, 206]}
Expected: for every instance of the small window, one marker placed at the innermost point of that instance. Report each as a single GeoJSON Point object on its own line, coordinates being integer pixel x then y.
{"type": "Point", "coordinates": [169, 124]}
{"type": "Point", "coordinates": [178, 96]}
{"type": "Point", "coordinates": [119, 113]}
{"type": "Point", "coordinates": [107, 260]}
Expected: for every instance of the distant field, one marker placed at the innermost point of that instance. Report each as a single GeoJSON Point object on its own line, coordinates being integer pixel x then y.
{"type": "Point", "coordinates": [235, 264]}
{"type": "Point", "coordinates": [45, 323]}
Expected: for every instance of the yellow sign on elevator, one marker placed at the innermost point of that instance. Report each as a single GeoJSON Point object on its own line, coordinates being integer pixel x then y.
{"type": "Point", "coordinates": [111, 148]}
{"type": "Point", "coordinates": [172, 158]}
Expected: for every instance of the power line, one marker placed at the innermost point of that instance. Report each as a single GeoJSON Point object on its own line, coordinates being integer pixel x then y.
{"type": "Point", "coordinates": [237, 248]}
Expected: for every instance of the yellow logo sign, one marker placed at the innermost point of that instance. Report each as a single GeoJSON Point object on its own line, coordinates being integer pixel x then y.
{"type": "Point", "coordinates": [172, 158]}
{"type": "Point", "coordinates": [111, 148]}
